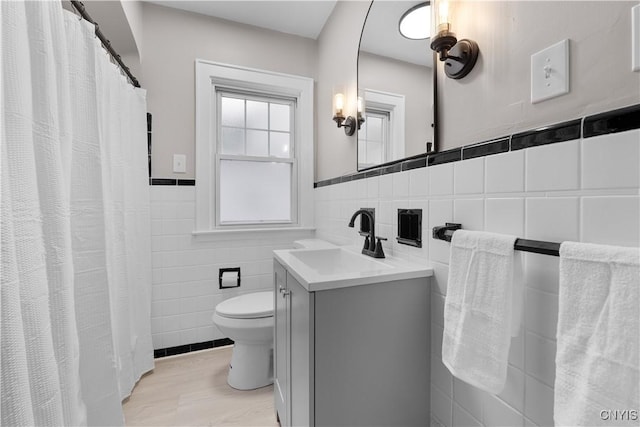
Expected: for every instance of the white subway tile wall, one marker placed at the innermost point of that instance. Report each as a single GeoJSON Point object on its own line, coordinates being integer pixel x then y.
{"type": "Point", "coordinates": [584, 190]}
{"type": "Point", "coordinates": [185, 288]}
{"type": "Point", "coordinates": [553, 167]}
{"type": "Point", "coordinates": [469, 176]}
{"type": "Point", "coordinates": [505, 172]}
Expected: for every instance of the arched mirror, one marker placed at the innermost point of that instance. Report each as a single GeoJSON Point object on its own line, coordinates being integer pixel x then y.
{"type": "Point", "coordinates": [396, 86]}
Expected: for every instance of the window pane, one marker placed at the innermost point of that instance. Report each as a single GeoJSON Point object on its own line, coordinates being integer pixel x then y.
{"type": "Point", "coordinates": [362, 132]}
{"type": "Point", "coordinates": [280, 116]}
{"type": "Point", "coordinates": [374, 153]}
{"type": "Point", "coordinates": [257, 143]}
{"type": "Point", "coordinates": [255, 191]}
{"type": "Point", "coordinates": [257, 115]}
{"type": "Point", "coordinates": [374, 128]}
{"type": "Point", "coordinates": [280, 142]}
{"type": "Point", "coordinates": [232, 141]}
{"type": "Point", "coordinates": [232, 112]}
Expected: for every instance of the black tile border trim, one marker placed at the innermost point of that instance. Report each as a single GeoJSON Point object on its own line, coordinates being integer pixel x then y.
{"type": "Point", "coordinates": [391, 169]}
{"type": "Point", "coordinates": [485, 149]}
{"type": "Point", "coordinates": [414, 164]}
{"type": "Point", "coordinates": [162, 181]}
{"type": "Point", "coordinates": [442, 157]}
{"type": "Point", "coordinates": [614, 121]}
{"type": "Point", "coordinates": [187, 348]}
{"type": "Point", "coordinates": [172, 181]}
{"type": "Point", "coordinates": [559, 132]}
{"type": "Point", "coordinates": [620, 120]}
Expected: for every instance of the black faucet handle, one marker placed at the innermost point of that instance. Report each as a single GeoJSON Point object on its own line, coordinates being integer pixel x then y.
{"type": "Point", "coordinates": [379, 253]}
{"type": "Point", "coordinates": [366, 243]}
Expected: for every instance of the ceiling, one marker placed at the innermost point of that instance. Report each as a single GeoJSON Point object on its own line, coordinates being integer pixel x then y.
{"type": "Point", "coordinates": [301, 17]}
{"type": "Point", "coordinates": [306, 18]}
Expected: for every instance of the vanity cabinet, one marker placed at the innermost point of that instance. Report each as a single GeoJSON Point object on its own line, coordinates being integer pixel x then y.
{"type": "Point", "coordinates": [352, 356]}
{"type": "Point", "coordinates": [293, 350]}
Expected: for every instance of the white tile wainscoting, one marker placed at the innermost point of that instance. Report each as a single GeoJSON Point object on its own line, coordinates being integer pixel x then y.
{"type": "Point", "coordinates": [582, 190]}
{"type": "Point", "coordinates": [185, 287]}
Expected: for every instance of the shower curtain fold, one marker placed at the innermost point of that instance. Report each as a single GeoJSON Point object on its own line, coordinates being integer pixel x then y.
{"type": "Point", "coordinates": [75, 227]}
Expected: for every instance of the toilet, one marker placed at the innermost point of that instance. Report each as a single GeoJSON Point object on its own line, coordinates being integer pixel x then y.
{"type": "Point", "coordinates": [248, 320]}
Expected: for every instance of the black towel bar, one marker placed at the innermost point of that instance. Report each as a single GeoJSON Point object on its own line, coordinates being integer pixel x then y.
{"type": "Point", "coordinates": [445, 232]}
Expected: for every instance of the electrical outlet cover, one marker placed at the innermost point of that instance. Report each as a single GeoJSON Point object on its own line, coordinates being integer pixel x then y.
{"type": "Point", "coordinates": [179, 163]}
{"type": "Point", "coordinates": [550, 72]}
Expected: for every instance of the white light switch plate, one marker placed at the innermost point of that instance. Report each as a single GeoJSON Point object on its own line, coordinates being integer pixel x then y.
{"type": "Point", "coordinates": [550, 72]}
{"type": "Point", "coordinates": [635, 38]}
{"type": "Point", "coordinates": [179, 163]}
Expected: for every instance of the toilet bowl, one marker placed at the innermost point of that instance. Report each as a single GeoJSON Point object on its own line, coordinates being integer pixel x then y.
{"type": "Point", "coordinates": [248, 321]}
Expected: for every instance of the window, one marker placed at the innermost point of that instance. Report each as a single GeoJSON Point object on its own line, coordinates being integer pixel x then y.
{"type": "Point", "coordinates": [254, 149]}
{"type": "Point", "coordinates": [381, 136]}
{"type": "Point", "coordinates": [256, 159]}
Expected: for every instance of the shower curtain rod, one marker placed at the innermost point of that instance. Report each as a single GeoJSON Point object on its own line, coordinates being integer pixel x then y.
{"type": "Point", "coordinates": [106, 43]}
{"type": "Point", "coordinates": [535, 246]}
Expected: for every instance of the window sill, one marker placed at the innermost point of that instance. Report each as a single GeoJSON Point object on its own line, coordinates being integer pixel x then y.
{"type": "Point", "coordinates": [251, 233]}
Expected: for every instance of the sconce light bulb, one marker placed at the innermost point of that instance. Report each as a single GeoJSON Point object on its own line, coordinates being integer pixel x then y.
{"type": "Point", "coordinates": [443, 12]}
{"type": "Point", "coordinates": [360, 102]}
{"type": "Point", "coordinates": [443, 28]}
{"type": "Point", "coordinates": [339, 103]}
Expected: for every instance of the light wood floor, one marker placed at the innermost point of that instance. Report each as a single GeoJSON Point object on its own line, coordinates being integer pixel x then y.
{"type": "Point", "coordinates": [191, 390]}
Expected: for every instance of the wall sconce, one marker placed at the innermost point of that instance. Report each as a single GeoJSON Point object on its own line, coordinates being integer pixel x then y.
{"type": "Point", "coordinates": [349, 123]}
{"type": "Point", "coordinates": [459, 56]}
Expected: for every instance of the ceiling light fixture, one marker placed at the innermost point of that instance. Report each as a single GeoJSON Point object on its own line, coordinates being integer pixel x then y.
{"type": "Point", "coordinates": [415, 23]}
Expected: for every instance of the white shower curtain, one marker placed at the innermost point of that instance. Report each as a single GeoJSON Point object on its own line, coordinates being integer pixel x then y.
{"type": "Point", "coordinates": [75, 228]}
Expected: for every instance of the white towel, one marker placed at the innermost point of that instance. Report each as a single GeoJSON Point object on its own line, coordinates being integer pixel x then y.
{"type": "Point", "coordinates": [597, 359]}
{"type": "Point", "coordinates": [482, 308]}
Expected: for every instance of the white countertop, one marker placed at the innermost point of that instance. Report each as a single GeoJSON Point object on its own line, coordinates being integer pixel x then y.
{"type": "Point", "coordinates": [345, 266]}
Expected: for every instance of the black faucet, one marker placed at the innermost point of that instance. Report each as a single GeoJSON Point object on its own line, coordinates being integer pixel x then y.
{"type": "Point", "coordinates": [372, 245]}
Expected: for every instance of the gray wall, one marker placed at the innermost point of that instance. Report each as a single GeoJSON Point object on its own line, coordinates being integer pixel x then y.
{"type": "Point", "coordinates": [494, 100]}
{"type": "Point", "coordinates": [413, 81]}
{"type": "Point", "coordinates": [172, 40]}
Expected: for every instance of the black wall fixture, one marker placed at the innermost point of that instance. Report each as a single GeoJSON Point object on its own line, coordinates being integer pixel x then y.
{"type": "Point", "coordinates": [224, 270]}
{"type": "Point", "coordinates": [410, 227]}
{"type": "Point", "coordinates": [459, 56]}
{"type": "Point", "coordinates": [149, 140]}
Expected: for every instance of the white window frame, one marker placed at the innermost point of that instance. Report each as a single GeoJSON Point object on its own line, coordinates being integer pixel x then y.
{"type": "Point", "coordinates": [211, 76]}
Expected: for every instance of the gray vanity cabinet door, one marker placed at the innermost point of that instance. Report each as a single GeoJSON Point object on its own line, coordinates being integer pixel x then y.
{"type": "Point", "coordinates": [293, 350]}
{"type": "Point", "coordinates": [372, 355]}
{"type": "Point", "coordinates": [301, 311]}
{"type": "Point", "coordinates": [281, 344]}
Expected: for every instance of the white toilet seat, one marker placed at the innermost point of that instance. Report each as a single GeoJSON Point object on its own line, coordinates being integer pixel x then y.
{"type": "Point", "coordinates": [248, 306]}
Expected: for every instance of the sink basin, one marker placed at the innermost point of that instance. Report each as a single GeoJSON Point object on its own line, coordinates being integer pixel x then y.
{"type": "Point", "coordinates": [339, 267]}
{"type": "Point", "coordinates": [338, 261]}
